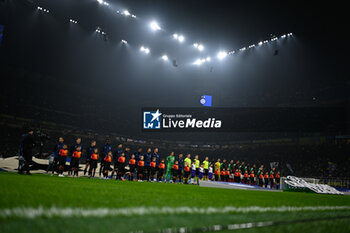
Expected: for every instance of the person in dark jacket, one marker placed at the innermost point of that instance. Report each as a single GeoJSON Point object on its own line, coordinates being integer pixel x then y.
{"type": "Point", "coordinates": [89, 152]}
{"type": "Point", "coordinates": [148, 157]}
{"type": "Point", "coordinates": [104, 151]}
{"type": "Point", "coordinates": [56, 156]}
{"type": "Point", "coordinates": [28, 144]}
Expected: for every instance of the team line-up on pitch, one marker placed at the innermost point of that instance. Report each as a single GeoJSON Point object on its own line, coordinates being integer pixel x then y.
{"type": "Point", "coordinates": [149, 166]}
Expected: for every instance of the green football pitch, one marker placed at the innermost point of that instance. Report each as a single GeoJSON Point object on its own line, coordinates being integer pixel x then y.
{"type": "Point", "coordinates": [44, 203]}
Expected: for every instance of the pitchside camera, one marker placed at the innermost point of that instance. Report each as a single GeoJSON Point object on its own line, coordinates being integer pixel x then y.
{"type": "Point", "coordinates": [206, 100]}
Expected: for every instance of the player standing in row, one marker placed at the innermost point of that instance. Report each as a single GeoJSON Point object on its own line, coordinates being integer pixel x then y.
{"type": "Point", "coordinates": [148, 159]}
{"type": "Point", "coordinates": [140, 168]}
{"type": "Point", "coordinates": [56, 153]}
{"type": "Point", "coordinates": [161, 169]}
{"type": "Point", "coordinates": [170, 163]}
{"type": "Point", "coordinates": [89, 152]}
{"type": "Point", "coordinates": [93, 163]}
{"type": "Point", "coordinates": [104, 151]}
{"type": "Point", "coordinates": [181, 167]}
{"type": "Point", "coordinates": [132, 167]}
{"type": "Point", "coordinates": [72, 149]}
{"type": "Point", "coordinates": [62, 159]}
{"type": "Point", "coordinates": [75, 161]}
{"type": "Point", "coordinates": [117, 154]}
{"type": "Point", "coordinates": [107, 165]}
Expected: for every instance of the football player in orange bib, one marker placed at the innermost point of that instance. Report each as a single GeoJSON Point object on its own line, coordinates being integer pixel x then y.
{"type": "Point", "coordinates": [75, 161]}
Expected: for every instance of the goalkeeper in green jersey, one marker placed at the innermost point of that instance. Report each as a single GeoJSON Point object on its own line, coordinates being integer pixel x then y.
{"type": "Point", "coordinates": [170, 160]}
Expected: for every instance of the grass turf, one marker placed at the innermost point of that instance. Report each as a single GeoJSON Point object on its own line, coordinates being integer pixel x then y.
{"type": "Point", "coordinates": [43, 190]}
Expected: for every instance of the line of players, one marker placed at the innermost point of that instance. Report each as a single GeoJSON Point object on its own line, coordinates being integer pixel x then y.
{"type": "Point", "coordinates": [149, 166]}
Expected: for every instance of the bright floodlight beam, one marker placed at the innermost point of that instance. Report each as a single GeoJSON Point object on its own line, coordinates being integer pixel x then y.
{"type": "Point", "coordinates": [154, 26]}
{"type": "Point", "coordinates": [198, 62]}
{"type": "Point", "coordinates": [181, 38]}
{"type": "Point", "coordinates": [165, 57]}
{"type": "Point", "coordinates": [126, 13]}
{"type": "Point", "coordinates": [200, 47]}
{"type": "Point", "coordinates": [221, 55]}
{"type": "Point", "coordinates": [124, 41]}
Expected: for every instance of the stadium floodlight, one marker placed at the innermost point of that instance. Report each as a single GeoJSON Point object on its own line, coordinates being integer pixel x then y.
{"type": "Point", "coordinates": [232, 52]}
{"type": "Point", "coordinates": [145, 50]}
{"type": "Point", "coordinates": [208, 59]}
{"type": "Point", "coordinates": [175, 36]}
{"type": "Point", "coordinates": [124, 41]}
{"type": "Point", "coordinates": [243, 49]}
{"type": "Point", "coordinates": [43, 9]}
{"type": "Point", "coordinates": [126, 13]}
{"type": "Point", "coordinates": [200, 47]}
{"type": "Point", "coordinates": [289, 34]}
{"type": "Point", "coordinates": [103, 2]}
{"type": "Point", "coordinates": [198, 62]}
{"type": "Point", "coordinates": [260, 43]}
{"type": "Point", "coordinates": [73, 21]}
{"type": "Point", "coordinates": [283, 36]}
{"type": "Point", "coordinates": [134, 16]}
{"type": "Point", "coordinates": [266, 41]}
{"type": "Point", "coordinates": [181, 38]}
{"type": "Point", "coordinates": [154, 26]}
{"type": "Point", "coordinates": [165, 57]}
{"type": "Point", "coordinates": [251, 46]}
{"type": "Point", "coordinates": [221, 55]}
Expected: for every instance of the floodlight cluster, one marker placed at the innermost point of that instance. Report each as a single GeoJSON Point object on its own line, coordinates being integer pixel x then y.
{"type": "Point", "coordinates": [178, 37]}
{"type": "Point", "coordinates": [200, 47]}
{"type": "Point", "coordinates": [99, 30]}
{"type": "Point", "coordinates": [126, 13]}
{"type": "Point", "coordinates": [165, 57]}
{"type": "Point", "coordinates": [103, 2]}
{"type": "Point", "coordinates": [145, 50]}
{"type": "Point", "coordinates": [43, 9]}
{"type": "Point", "coordinates": [221, 55]}
{"type": "Point", "coordinates": [154, 26]}
{"type": "Point", "coordinates": [200, 61]}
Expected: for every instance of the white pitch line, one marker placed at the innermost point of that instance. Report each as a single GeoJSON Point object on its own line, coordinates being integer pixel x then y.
{"type": "Point", "coordinates": [28, 212]}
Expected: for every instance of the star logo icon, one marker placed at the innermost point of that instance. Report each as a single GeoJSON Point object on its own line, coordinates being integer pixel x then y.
{"type": "Point", "coordinates": [156, 115]}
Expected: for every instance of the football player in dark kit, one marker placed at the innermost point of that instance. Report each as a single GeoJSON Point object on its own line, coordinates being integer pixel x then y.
{"type": "Point", "coordinates": [56, 150]}
{"type": "Point", "coordinates": [89, 152]}
{"type": "Point", "coordinates": [73, 148]}
{"type": "Point", "coordinates": [117, 154]}
{"type": "Point", "coordinates": [28, 144]}
{"type": "Point", "coordinates": [148, 157]}
{"type": "Point", "coordinates": [104, 151]}
{"type": "Point", "coordinates": [181, 167]}
{"type": "Point", "coordinates": [138, 154]}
